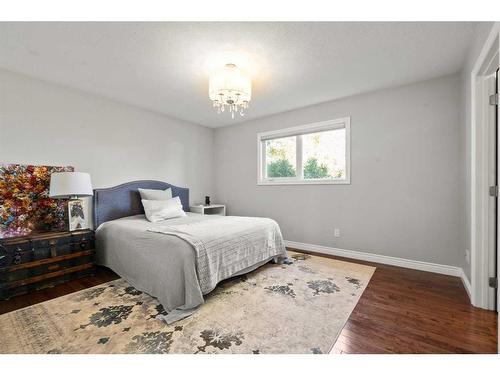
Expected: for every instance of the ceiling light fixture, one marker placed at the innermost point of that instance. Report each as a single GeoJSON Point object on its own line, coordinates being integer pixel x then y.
{"type": "Point", "coordinates": [229, 87]}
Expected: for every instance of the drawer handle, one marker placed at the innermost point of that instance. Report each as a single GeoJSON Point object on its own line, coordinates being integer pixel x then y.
{"type": "Point", "coordinates": [83, 245]}
{"type": "Point", "coordinates": [17, 259]}
{"type": "Point", "coordinates": [17, 256]}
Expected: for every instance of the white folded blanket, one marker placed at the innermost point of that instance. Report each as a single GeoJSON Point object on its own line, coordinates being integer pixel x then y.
{"type": "Point", "coordinates": [227, 245]}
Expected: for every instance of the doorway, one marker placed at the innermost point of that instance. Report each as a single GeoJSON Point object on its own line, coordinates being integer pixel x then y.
{"type": "Point", "coordinates": [496, 251]}
{"type": "Point", "coordinates": [491, 118]}
{"type": "Point", "coordinates": [485, 236]}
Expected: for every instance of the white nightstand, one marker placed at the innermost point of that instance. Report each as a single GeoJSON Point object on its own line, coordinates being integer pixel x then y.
{"type": "Point", "coordinates": [213, 209]}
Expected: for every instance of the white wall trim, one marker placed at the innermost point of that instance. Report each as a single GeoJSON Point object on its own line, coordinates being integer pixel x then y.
{"type": "Point", "coordinates": [478, 189]}
{"type": "Point", "coordinates": [466, 282]}
{"type": "Point", "coordinates": [377, 258]}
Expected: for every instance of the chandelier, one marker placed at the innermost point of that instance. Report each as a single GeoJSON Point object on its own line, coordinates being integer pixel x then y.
{"type": "Point", "coordinates": [230, 89]}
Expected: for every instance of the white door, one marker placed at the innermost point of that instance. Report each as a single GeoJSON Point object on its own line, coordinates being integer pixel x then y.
{"type": "Point", "coordinates": [490, 86]}
{"type": "Point", "coordinates": [497, 252]}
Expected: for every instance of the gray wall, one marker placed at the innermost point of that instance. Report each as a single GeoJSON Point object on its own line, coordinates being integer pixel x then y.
{"type": "Point", "coordinates": [405, 198]}
{"type": "Point", "coordinates": [45, 124]}
{"type": "Point", "coordinates": [481, 34]}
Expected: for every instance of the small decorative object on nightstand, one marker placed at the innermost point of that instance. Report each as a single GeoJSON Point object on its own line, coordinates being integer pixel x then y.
{"type": "Point", "coordinates": [44, 259]}
{"type": "Point", "coordinates": [72, 185]}
{"type": "Point", "coordinates": [213, 209]}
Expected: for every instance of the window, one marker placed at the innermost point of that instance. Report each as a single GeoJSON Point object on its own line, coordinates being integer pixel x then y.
{"type": "Point", "coordinates": [309, 154]}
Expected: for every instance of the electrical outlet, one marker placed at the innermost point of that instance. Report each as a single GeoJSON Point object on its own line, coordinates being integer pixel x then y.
{"type": "Point", "coordinates": [336, 232]}
{"type": "Point", "coordinates": [467, 256]}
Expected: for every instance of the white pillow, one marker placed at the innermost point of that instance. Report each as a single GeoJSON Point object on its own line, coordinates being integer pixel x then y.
{"type": "Point", "coordinates": [156, 195]}
{"type": "Point", "coordinates": [161, 210]}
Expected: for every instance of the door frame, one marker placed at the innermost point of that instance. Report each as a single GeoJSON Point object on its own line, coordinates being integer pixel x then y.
{"type": "Point", "coordinates": [480, 235]}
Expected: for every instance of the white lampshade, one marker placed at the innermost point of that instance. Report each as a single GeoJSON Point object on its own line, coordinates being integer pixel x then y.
{"type": "Point", "coordinates": [229, 81]}
{"type": "Point", "coordinates": [67, 184]}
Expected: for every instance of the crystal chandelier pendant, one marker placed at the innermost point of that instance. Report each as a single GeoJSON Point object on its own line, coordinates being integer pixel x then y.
{"type": "Point", "coordinates": [229, 87]}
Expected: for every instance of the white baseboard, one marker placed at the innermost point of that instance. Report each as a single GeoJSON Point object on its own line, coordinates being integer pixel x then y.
{"type": "Point", "coordinates": [466, 282]}
{"type": "Point", "coordinates": [384, 259]}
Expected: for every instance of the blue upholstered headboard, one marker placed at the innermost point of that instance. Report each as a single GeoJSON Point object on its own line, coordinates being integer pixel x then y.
{"type": "Point", "coordinates": [124, 200]}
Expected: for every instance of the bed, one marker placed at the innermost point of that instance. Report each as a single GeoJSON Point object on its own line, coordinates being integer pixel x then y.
{"type": "Point", "coordinates": [178, 260]}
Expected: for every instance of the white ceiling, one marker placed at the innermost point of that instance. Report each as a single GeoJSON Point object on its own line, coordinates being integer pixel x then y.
{"type": "Point", "coordinates": [164, 66]}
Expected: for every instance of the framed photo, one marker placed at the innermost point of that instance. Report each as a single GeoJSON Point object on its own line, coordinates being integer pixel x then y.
{"type": "Point", "coordinates": [76, 215]}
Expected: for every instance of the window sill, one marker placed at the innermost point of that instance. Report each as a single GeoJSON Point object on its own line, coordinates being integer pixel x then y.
{"type": "Point", "coordinates": [277, 183]}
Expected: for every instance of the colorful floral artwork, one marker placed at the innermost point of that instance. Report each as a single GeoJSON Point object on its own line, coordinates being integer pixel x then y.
{"type": "Point", "coordinates": [25, 205]}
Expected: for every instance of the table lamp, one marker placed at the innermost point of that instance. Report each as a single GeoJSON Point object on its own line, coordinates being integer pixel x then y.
{"type": "Point", "coordinates": [72, 185]}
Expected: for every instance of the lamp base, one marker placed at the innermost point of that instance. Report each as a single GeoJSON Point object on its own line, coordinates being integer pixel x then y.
{"type": "Point", "coordinates": [76, 215]}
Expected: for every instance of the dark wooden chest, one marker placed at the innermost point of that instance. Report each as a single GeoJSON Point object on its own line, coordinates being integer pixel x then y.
{"type": "Point", "coordinates": [44, 259]}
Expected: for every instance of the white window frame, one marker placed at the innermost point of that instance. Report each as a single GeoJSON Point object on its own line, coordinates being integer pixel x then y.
{"type": "Point", "coordinates": [339, 123]}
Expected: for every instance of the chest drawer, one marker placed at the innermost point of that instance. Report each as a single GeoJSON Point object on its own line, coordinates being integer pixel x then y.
{"type": "Point", "coordinates": [15, 253]}
{"type": "Point", "coordinates": [82, 241]}
{"type": "Point", "coordinates": [34, 269]}
{"type": "Point", "coordinates": [19, 251]}
{"type": "Point", "coordinates": [44, 259]}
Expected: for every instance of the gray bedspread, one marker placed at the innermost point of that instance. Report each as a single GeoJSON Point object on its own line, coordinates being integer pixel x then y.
{"type": "Point", "coordinates": [226, 245]}
{"type": "Point", "coordinates": [179, 260]}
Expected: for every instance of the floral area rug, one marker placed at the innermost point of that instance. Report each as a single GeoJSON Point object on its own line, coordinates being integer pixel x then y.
{"type": "Point", "coordinates": [296, 308]}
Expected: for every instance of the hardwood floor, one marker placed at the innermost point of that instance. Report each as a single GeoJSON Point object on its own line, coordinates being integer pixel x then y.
{"type": "Point", "coordinates": [409, 311]}
{"type": "Point", "coordinates": [401, 311]}
{"type": "Point", "coordinates": [102, 275]}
